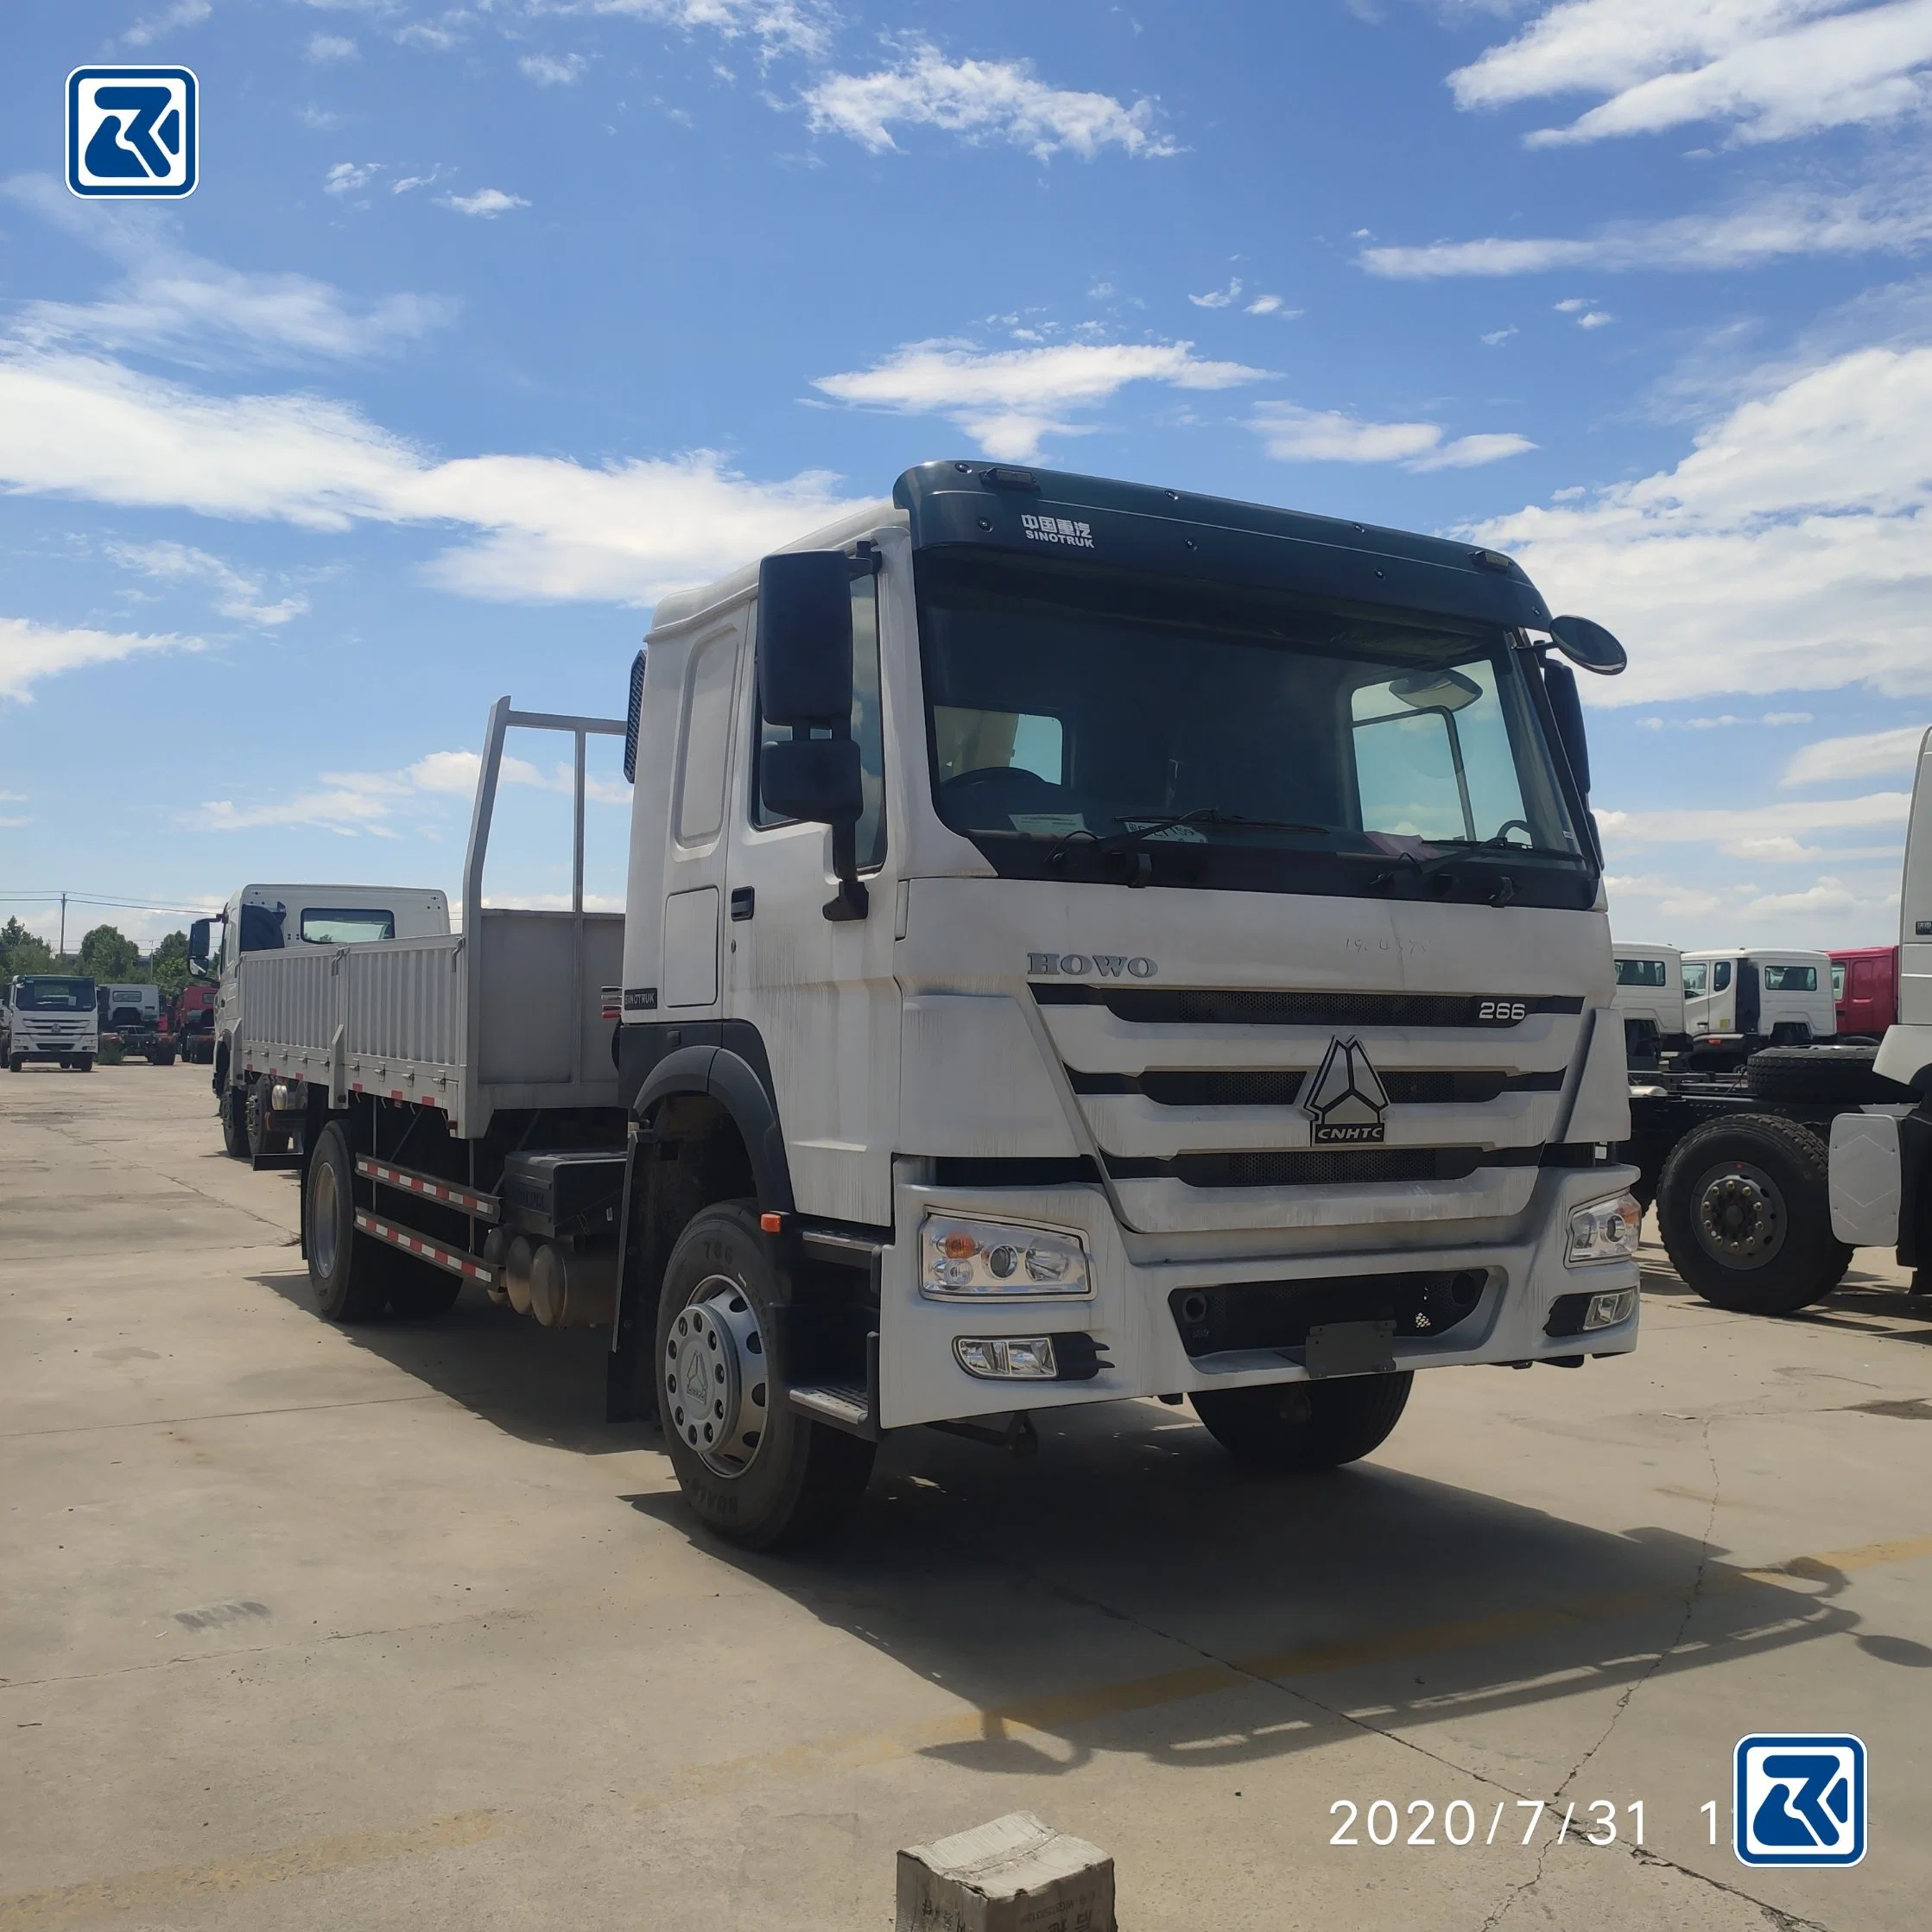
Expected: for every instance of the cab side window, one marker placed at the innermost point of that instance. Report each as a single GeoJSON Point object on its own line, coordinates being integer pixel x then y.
{"type": "Point", "coordinates": [1721, 976]}
{"type": "Point", "coordinates": [868, 729]}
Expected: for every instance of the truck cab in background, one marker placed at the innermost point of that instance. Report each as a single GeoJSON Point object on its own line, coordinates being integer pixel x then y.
{"type": "Point", "coordinates": [279, 918]}
{"type": "Point", "coordinates": [135, 1019]}
{"type": "Point", "coordinates": [53, 1017]}
{"type": "Point", "coordinates": [1650, 997]}
{"type": "Point", "coordinates": [1865, 991]}
{"type": "Point", "coordinates": [1737, 1000]}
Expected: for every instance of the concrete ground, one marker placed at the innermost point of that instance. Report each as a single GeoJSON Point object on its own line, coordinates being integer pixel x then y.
{"type": "Point", "coordinates": [313, 1627]}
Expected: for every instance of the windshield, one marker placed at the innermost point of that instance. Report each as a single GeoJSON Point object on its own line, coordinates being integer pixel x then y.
{"type": "Point", "coordinates": [1640, 972]}
{"type": "Point", "coordinates": [53, 996]}
{"type": "Point", "coordinates": [1076, 717]}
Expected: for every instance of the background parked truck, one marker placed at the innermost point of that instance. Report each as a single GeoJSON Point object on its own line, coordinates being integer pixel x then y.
{"type": "Point", "coordinates": [1082, 941]}
{"type": "Point", "coordinates": [52, 1016]}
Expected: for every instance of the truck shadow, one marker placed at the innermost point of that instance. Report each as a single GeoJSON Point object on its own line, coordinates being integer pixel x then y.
{"type": "Point", "coordinates": [543, 1387]}
{"type": "Point", "coordinates": [1868, 1302]}
{"type": "Point", "coordinates": [1132, 1591]}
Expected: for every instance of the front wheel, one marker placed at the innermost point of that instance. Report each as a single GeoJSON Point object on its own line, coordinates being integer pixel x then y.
{"type": "Point", "coordinates": [84, 1064]}
{"type": "Point", "coordinates": [234, 1123]}
{"type": "Point", "coordinates": [1743, 1205]}
{"type": "Point", "coordinates": [1306, 1425]}
{"type": "Point", "coordinates": [752, 1468]}
{"type": "Point", "coordinates": [350, 1271]}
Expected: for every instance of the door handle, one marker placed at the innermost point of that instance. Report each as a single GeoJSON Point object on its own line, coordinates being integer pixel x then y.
{"type": "Point", "coordinates": [744, 901]}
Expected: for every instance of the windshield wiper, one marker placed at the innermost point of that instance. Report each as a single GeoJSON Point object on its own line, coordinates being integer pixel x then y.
{"type": "Point", "coordinates": [1138, 831]}
{"type": "Point", "coordinates": [1501, 891]}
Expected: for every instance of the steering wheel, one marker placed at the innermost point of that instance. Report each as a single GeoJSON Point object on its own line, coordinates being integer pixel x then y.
{"type": "Point", "coordinates": [1001, 787]}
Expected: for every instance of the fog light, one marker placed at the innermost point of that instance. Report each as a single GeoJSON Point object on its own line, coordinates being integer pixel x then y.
{"type": "Point", "coordinates": [1606, 1311]}
{"type": "Point", "coordinates": [1604, 1231]}
{"type": "Point", "coordinates": [1007, 1358]}
{"type": "Point", "coordinates": [960, 1258]}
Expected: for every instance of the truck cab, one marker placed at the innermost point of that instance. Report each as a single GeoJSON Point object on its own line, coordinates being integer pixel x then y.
{"type": "Point", "coordinates": [1650, 997]}
{"type": "Point", "coordinates": [53, 1017]}
{"type": "Point", "coordinates": [1738, 999]}
{"type": "Point", "coordinates": [1865, 991]}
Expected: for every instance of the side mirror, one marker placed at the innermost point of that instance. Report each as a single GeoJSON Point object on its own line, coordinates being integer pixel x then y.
{"type": "Point", "coordinates": [197, 944]}
{"type": "Point", "coordinates": [805, 640]}
{"type": "Point", "coordinates": [1588, 644]}
{"type": "Point", "coordinates": [812, 778]}
{"type": "Point", "coordinates": [1560, 682]}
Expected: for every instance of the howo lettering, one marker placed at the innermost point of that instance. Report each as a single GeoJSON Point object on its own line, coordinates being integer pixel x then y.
{"type": "Point", "coordinates": [873, 1109]}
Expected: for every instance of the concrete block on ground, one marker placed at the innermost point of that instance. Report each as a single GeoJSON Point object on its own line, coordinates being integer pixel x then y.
{"type": "Point", "coordinates": [1017, 1874]}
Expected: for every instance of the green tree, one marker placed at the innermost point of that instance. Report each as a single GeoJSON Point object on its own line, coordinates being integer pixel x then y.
{"type": "Point", "coordinates": [109, 953]}
{"type": "Point", "coordinates": [167, 964]}
{"type": "Point", "coordinates": [21, 951]}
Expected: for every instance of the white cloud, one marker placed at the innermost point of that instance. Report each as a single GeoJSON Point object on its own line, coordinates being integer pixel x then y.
{"type": "Point", "coordinates": [184, 13]}
{"type": "Point", "coordinates": [236, 595]}
{"type": "Point", "coordinates": [1594, 318]}
{"type": "Point", "coordinates": [1790, 551]}
{"type": "Point", "coordinates": [1772, 68]}
{"type": "Point", "coordinates": [330, 47]}
{"type": "Point", "coordinates": [1834, 758]}
{"type": "Point", "coordinates": [1009, 399]}
{"type": "Point", "coordinates": [550, 70]}
{"type": "Point", "coordinates": [1735, 830]}
{"type": "Point", "coordinates": [487, 202]}
{"type": "Point", "coordinates": [349, 803]}
{"type": "Point", "coordinates": [980, 100]}
{"type": "Point", "coordinates": [90, 427]}
{"type": "Point", "coordinates": [1723, 722]}
{"type": "Point", "coordinates": [350, 177]}
{"type": "Point", "coordinates": [30, 652]}
{"type": "Point", "coordinates": [1772, 227]}
{"type": "Point", "coordinates": [781, 26]}
{"type": "Point", "coordinates": [1219, 298]}
{"type": "Point", "coordinates": [1495, 337]}
{"type": "Point", "coordinates": [1271, 305]}
{"type": "Point", "coordinates": [1292, 434]}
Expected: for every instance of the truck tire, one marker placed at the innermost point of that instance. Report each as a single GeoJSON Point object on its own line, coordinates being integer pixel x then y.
{"type": "Point", "coordinates": [16, 1064]}
{"type": "Point", "coordinates": [351, 1273]}
{"type": "Point", "coordinates": [84, 1064]}
{"type": "Point", "coordinates": [1836, 1075]}
{"type": "Point", "coordinates": [753, 1470]}
{"type": "Point", "coordinates": [234, 1124]}
{"type": "Point", "coordinates": [255, 1121]}
{"type": "Point", "coordinates": [1306, 1425]}
{"type": "Point", "coordinates": [1743, 1205]}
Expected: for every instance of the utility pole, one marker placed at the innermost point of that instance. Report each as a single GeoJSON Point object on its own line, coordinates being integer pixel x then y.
{"type": "Point", "coordinates": [63, 927]}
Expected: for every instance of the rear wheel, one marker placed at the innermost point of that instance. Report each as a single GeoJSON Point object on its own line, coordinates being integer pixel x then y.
{"type": "Point", "coordinates": [351, 1272]}
{"type": "Point", "coordinates": [234, 1123]}
{"type": "Point", "coordinates": [752, 1468]}
{"type": "Point", "coordinates": [1306, 1425]}
{"type": "Point", "coordinates": [1744, 1206]}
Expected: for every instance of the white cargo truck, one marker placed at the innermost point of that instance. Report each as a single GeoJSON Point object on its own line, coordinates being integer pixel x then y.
{"type": "Point", "coordinates": [1650, 997]}
{"type": "Point", "coordinates": [312, 921]}
{"type": "Point", "coordinates": [1083, 941]}
{"type": "Point", "coordinates": [52, 1016]}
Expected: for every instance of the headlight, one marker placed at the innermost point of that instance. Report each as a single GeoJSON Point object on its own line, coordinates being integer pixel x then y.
{"type": "Point", "coordinates": [961, 1260]}
{"type": "Point", "coordinates": [1604, 1231]}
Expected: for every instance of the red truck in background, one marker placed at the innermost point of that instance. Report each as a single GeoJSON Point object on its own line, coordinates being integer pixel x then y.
{"type": "Point", "coordinates": [192, 1021]}
{"type": "Point", "coordinates": [1865, 989]}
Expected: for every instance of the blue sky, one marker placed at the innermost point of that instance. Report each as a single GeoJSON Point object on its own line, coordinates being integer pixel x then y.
{"type": "Point", "coordinates": [487, 324]}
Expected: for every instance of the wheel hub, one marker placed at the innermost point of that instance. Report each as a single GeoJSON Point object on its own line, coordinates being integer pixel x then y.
{"type": "Point", "coordinates": [715, 1376]}
{"type": "Point", "coordinates": [322, 1217]}
{"type": "Point", "coordinates": [1740, 1218]}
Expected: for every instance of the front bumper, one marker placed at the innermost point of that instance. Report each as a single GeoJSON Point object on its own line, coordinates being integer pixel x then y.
{"type": "Point", "coordinates": [1130, 1314]}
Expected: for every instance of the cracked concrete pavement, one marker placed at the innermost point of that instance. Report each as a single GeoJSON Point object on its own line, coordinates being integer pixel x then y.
{"type": "Point", "coordinates": [301, 1626]}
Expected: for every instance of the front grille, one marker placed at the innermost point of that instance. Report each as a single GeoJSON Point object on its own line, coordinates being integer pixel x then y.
{"type": "Point", "coordinates": [1278, 1314]}
{"type": "Point", "coordinates": [1170, 1088]}
{"type": "Point", "coordinates": [1208, 1006]}
{"type": "Point", "coordinates": [1324, 1167]}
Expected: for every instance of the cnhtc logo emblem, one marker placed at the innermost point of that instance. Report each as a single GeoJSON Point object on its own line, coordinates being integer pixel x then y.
{"type": "Point", "coordinates": [1346, 1101]}
{"type": "Point", "coordinates": [133, 133]}
{"type": "Point", "coordinates": [1799, 1799]}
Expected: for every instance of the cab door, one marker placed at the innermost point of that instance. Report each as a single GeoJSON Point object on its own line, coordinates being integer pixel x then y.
{"type": "Point", "coordinates": [821, 992]}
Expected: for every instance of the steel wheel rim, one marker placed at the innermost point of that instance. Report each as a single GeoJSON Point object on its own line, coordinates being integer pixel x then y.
{"type": "Point", "coordinates": [322, 1201]}
{"type": "Point", "coordinates": [715, 1377]}
{"type": "Point", "coordinates": [1739, 1216]}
